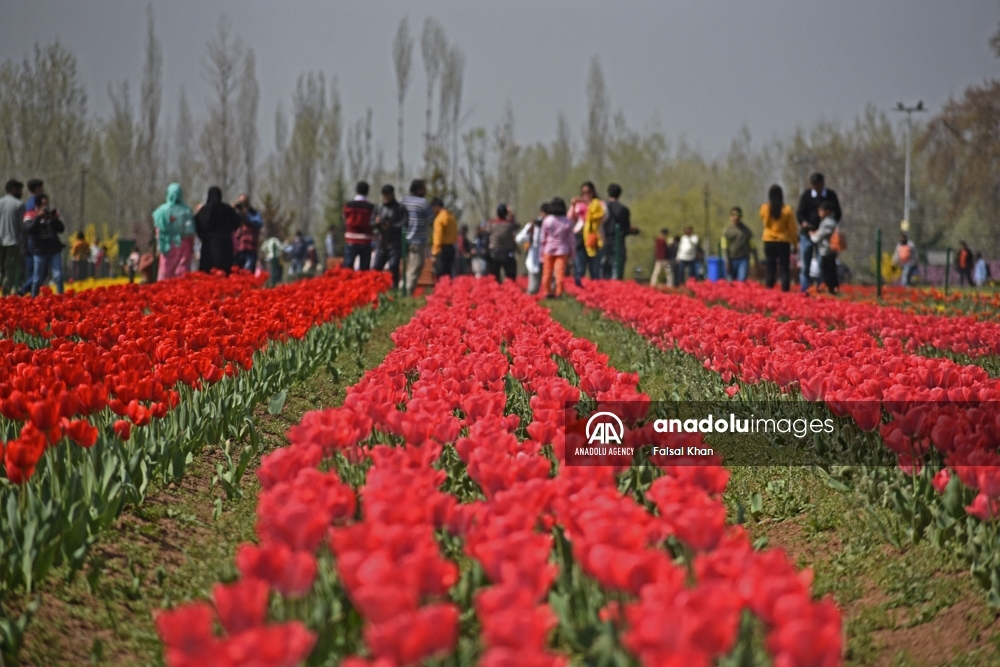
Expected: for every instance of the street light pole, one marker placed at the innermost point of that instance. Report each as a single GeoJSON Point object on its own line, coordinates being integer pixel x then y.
{"type": "Point", "coordinates": [919, 108]}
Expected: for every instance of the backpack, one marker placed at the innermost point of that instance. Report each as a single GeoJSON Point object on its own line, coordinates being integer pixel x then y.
{"type": "Point", "coordinates": [838, 242]}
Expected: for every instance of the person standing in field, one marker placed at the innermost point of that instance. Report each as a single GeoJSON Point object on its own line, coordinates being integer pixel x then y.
{"type": "Point", "coordinates": [530, 238]}
{"type": "Point", "coordinates": [964, 263]}
{"type": "Point", "coordinates": [780, 232]}
{"type": "Point", "coordinates": [390, 219]}
{"type": "Point", "coordinates": [443, 239]}
{"type": "Point", "coordinates": [982, 270]}
{"type": "Point", "coordinates": [328, 244]}
{"type": "Point", "coordinates": [481, 251]}
{"type": "Point", "coordinates": [687, 255]}
{"type": "Point", "coordinates": [36, 188]}
{"type": "Point", "coordinates": [79, 252]}
{"type": "Point", "coordinates": [587, 213]}
{"type": "Point", "coordinates": [174, 222]}
{"type": "Point", "coordinates": [43, 226]}
{"type": "Point", "coordinates": [215, 223]}
{"type": "Point", "coordinates": [271, 250]}
{"type": "Point", "coordinates": [502, 246]}
{"type": "Point", "coordinates": [617, 225]}
{"type": "Point", "coordinates": [419, 219]}
{"type": "Point", "coordinates": [11, 219]}
{"type": "Point", "coordinates": [738, 237]}
{"type": "Point", "coordinates": [246, 240]}
{"type": "Point", "coordinates": [358, 233]}
{"type": "Point", "coordinates": [809, 219]}
{"type": "Point", "coordinates": [557, 243]}
{"type": "Point", "coordinates": [821, 240]}
{"type": "Point", "coordinates": [661, 261]}
{"type": "Point", "coordinates": [463, 251]}
{"type": "Point", "coordinates": [905, 257]}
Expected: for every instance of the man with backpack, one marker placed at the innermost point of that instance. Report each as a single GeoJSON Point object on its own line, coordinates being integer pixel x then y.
{"type": "Point", "coordinates": [905, 257]}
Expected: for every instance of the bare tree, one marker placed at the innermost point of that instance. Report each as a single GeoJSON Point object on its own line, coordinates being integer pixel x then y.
{"type": "Point", "coordinates": [248, 104]}
{"type": "Point", "coordinates": [220, 138]}
{"type": "Point", "coordinates": [359, 148]}
{"type": "Point", "coordinates": [433, 47]}
{"type": "Point", "coordinates": [43, 121]}
{"type": "Point", "coordinates": [332, 163]}
{"type": "Point", "coordinates": [280, 129]}
{"type": "Point", "coordinates": [149, 161]}
{"type": "Point", "coordinates": [598, 118]}
{"type": "Point", "coordinates": [562, 150]}
{"type": "Point", "coordinates": [476, 173]}
{"type": "Point", "coordinates": [507, 151]}
{"type": "Point", "coordinates": [121, 138]}
{"type": "Point", "coordinates": [184, 138]}
{"type": "Point", "coordinates": [402, 59]}
{"type": "Point", "coordinates": [450, 107]}
{"type": "Point", "coordinates": [302, 159]}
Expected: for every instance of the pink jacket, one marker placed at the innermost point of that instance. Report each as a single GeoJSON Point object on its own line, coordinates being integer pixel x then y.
{"type": "Point", "coordinates": [557, 236]}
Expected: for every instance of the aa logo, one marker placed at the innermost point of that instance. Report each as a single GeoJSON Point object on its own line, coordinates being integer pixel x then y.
{"type": "Point", "coordinates": [604, 432]}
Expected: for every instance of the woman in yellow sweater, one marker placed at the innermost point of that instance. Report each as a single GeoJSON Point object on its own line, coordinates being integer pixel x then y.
{"type": "Point", "coordinates": [780, 232]}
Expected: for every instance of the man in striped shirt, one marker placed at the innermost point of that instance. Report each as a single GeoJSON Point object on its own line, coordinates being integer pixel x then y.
{"type": "Point", "coordinates": [419, 218]}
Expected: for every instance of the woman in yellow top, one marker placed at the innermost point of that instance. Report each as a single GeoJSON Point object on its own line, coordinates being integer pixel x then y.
{"type": "Point", "coordinates": [780, 232]}
{"type": "Point", "coordinates": [443, 239]}
{"type": "Point", "coordinates": [588, 213]}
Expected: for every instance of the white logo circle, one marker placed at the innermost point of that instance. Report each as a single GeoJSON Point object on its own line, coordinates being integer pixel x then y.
{"type": "Point", "coordinates": [603, 433]}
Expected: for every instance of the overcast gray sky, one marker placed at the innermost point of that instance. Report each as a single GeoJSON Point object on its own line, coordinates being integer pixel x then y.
{"type": "Point", "coordinates": [703, 68]}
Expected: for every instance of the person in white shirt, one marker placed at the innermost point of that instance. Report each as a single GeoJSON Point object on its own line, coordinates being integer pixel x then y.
{"type": "Point", "coordinates": [687, 255]}
{"type": "Point", "coordinates": [531, 237]}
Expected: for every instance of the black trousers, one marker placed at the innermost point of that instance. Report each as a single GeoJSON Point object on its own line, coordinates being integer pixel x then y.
{"type": "Point", "coordinates": [444, 261]}
{"type": "Point", "coordinates": [965, 276]}
{"type": "Point", "coordinates": [828, 263]}
{"type": "Point", "coordinates": [777, 255]}
{"type": "Point", "coordinates": [388, 254]}
{"type": "Point", "coordinates": [506, 262]}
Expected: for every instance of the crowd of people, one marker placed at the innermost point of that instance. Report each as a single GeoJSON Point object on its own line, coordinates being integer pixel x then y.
{"type": "Point", "coordinates": [595, 242]}
{"type": "Point", "coordinates": [585, 237]}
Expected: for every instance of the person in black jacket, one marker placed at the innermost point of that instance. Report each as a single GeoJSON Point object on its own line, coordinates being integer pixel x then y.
{"type": "Point", "coordinates": [43, 227]}
{"type": "Point", "coordinates": [389, 220]}
{"type": "Point", "coordinates": [215, 223]}
{"type": "Point", "coordinates": [620, 219]}
{"type": "Point", "coordinates": [809, 219]}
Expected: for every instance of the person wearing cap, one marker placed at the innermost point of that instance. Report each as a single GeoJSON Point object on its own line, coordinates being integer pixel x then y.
{"type": "Point", "coordinates": [661, 260]}
{"type": "Point", "coordinates": [502, 246]}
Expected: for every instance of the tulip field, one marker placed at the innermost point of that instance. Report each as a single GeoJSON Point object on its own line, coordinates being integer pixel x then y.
{"type": "Point", "coordinates": [206, 471]}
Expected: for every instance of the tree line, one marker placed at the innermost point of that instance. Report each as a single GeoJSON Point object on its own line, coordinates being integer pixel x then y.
{"type": "Point", "coordinates": [112, 170]}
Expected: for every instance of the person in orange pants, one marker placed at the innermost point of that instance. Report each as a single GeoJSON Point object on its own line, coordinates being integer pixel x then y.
{"type": "Point", "coordinates": [557, 243]}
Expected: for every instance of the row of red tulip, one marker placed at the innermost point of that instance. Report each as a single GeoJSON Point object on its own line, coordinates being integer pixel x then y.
{"type": "Point", "coordinates": [932, 301]}
{"type": "Point", "coordinates": [964, 334]}
{"type": "Point", "coordinates": [460, 354]}
{"type": "Point", "coordinates": [128, 348]}
{"type": "Point", "coordinates": [931, 401]}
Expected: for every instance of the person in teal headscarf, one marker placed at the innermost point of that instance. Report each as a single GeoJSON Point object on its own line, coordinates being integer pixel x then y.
{"type": "Point", "coordinates": [174, 223]}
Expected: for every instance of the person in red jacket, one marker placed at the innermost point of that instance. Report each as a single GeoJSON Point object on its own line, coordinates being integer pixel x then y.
{"type": "Point", "coordinates": [358, 234]}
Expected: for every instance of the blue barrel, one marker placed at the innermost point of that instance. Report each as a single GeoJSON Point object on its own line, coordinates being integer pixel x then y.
{"type": "Point", "coordinates": [716, 268]}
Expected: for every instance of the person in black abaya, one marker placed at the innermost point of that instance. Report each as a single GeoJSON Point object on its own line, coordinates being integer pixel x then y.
{"type": "Point", "coordinates": [215, 223]}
